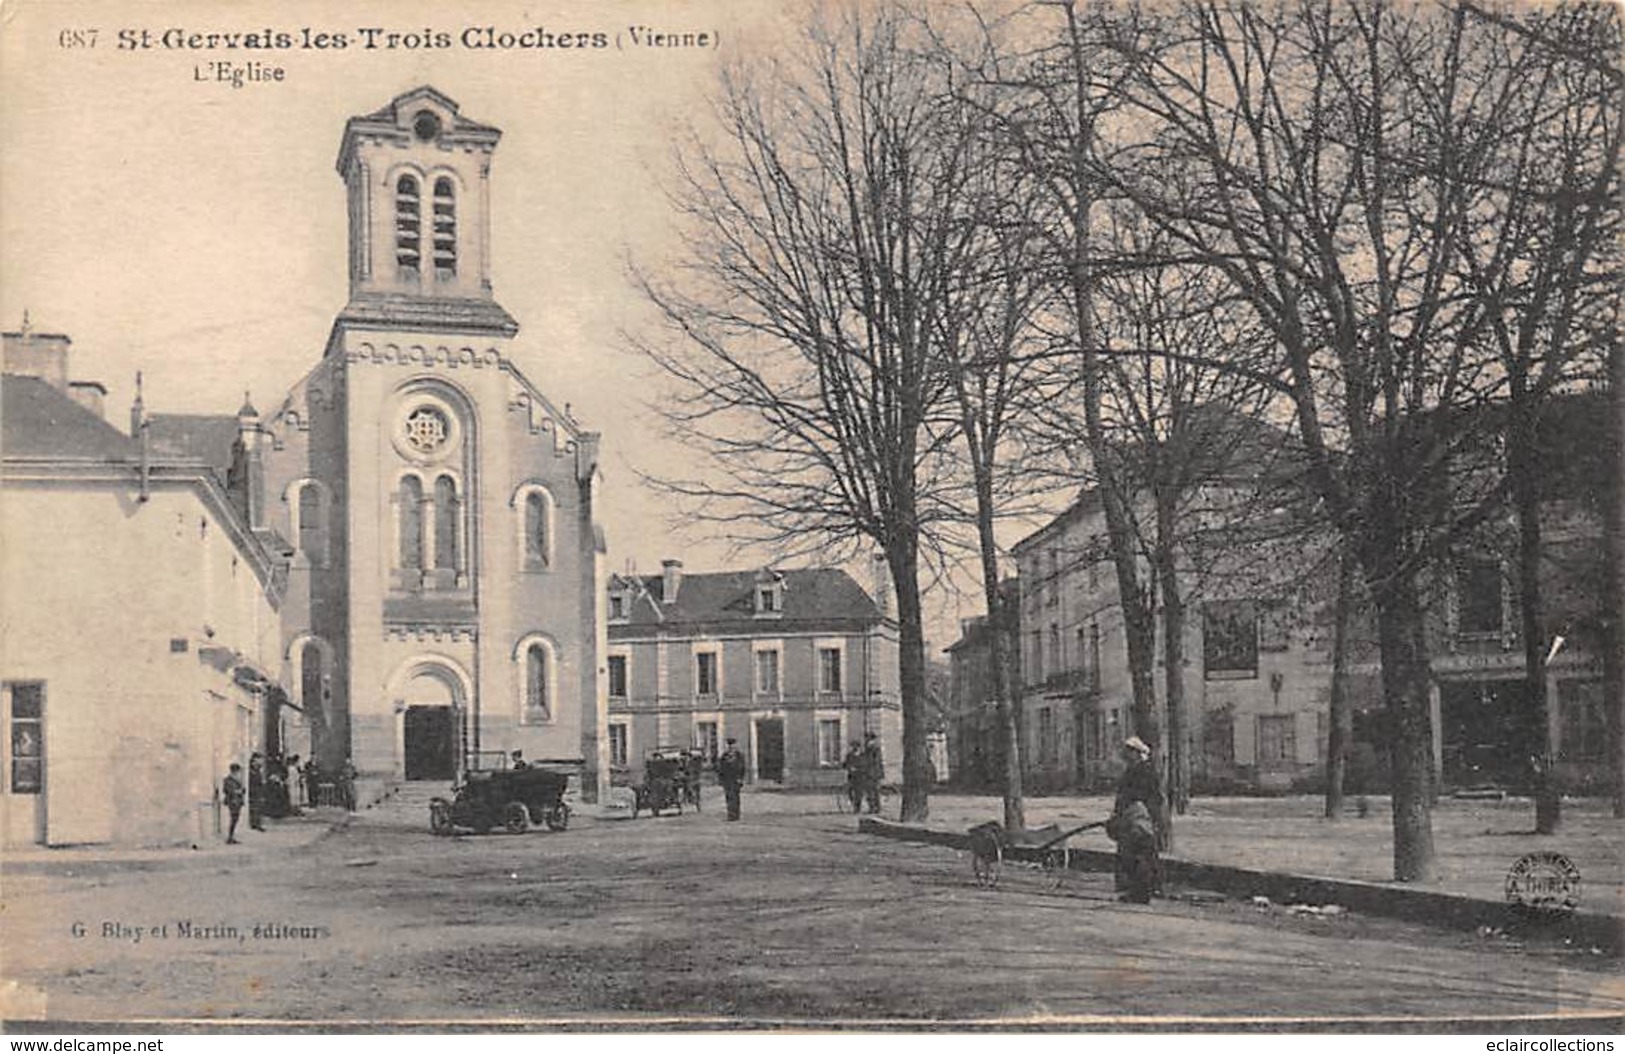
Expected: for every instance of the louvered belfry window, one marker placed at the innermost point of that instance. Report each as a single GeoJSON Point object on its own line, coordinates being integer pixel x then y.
{"type": "Point", "coordinates": [445, 228]}
{"type": "Point", "coordinates": [408, 225]}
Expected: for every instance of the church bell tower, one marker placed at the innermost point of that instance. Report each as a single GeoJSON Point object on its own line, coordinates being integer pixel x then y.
{"type": "Point", "coordinates": [418, 180]}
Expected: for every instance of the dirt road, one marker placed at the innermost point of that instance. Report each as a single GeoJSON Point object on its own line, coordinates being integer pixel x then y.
{"type": "Point", "coordinates": [789, 914]}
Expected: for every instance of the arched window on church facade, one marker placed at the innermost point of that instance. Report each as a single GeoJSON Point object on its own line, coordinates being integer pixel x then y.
{"type": "Point", "coordinates": [538, 679]}
{"type": "Point", "coordinates": [313, 523]}
{"type": "Point", "coordinates": [447, 518]}
{"type": "Point", "coordinates": [533, 518]}
{"type": "Point", "coordinates": [535, 530]}
{"type": "Point", "coordinates": [312, 679]}
{"type": "Point", "coordinates": [408, 226]}
{"type": "Point", "coordinates": [445, 229]}
{"type": "Point", "coordinates": [411, 523]}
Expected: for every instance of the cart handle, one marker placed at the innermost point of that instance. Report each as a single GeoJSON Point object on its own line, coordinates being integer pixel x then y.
{"type": "Point", "coordinates": [1058, 839]}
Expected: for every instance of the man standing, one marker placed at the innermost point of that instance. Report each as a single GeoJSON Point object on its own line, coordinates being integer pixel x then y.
{"type": "Point", "coordinates": [874, 771]}
{"type": "Point", "coordinates": [256, 792]}
{"type": "Point", "coordinates": [853, 764]}
{"type": "Point", "coordinates": [731, 774]}
{"type": "Point", "coordinates": [1136, 825]}
{"type": "Point", "coordinates": [231, 789]}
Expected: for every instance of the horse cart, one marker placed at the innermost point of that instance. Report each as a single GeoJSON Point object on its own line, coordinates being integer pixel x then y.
{"type": "Point", "coordinates": [510, 798]}
{"type": "Point", "coordinates": [671, 779]}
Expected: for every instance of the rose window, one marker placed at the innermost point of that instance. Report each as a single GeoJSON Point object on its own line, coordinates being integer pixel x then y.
{"type": "Point", "coordinates": [426, 429]}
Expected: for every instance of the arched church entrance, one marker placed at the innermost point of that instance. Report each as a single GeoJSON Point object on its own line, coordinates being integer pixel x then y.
{"type": "Point", "coordinates": [431, 724]}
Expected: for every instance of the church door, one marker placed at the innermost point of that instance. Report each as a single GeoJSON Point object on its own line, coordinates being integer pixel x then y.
{"type": "Point", "coordinates": [430, 743]}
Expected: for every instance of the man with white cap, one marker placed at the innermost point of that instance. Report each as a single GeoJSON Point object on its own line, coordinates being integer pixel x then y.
{"type": "Point", "coordinates": [1136, 824]}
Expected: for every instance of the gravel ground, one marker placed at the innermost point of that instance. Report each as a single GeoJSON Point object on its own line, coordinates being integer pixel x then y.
{"type": "Point", "coordinates": [787, 916]}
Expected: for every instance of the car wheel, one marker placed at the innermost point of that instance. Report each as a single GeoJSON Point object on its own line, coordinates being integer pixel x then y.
{"type": "Point", "coordinates": [558, 817]}
{"type": "Point", "coordinates": [516, 818]}
{"type": "Point", "coordinates": [440, 817]}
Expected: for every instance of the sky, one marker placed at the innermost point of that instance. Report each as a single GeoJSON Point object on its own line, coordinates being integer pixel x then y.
{"type": "Point", "coordinates": [171, 222]}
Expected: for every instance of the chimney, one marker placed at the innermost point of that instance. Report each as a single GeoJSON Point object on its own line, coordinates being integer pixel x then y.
{"type": "Point", "coordinates": [42, 355]}
{"type": "Point", "coordinates": [249, 437]}
{"type": "Point", "coordinates": [90, 395]}
{"type": "Point", "coordinates": [881, 589]}
{"type": "Point", "coordinates": [671, 579]}
{"type": "Point", "coordinates": [138, 432]}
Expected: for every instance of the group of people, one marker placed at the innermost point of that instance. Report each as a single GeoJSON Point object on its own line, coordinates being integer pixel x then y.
{"type": "Point", "coordinates": [276, 787]}
{"type": "Point", "coordinates": [865, 771]}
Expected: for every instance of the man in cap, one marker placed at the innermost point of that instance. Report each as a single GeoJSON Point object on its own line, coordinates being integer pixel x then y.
{"type": "Point", "coordinates": [731, 774]}
{"type": "Point", "coordinates": [1137, 824]}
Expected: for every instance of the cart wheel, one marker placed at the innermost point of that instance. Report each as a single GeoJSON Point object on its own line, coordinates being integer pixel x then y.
{"type": "Point", "coordinates": [440, 817]}
{"type": "Point", "coordinates": [1057, 863]}
{"type": "Point", "coordinates": [986, 868]}
{"type": "Point", "coordinates": [516, 817]}
{"type": "Point", "coordinates": [558, 817]}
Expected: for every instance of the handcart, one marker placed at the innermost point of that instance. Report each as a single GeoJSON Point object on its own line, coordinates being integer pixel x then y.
{"type": "Point", "coordinates": [990, 845]}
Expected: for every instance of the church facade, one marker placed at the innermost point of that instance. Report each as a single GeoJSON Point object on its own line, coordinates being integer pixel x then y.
{"type": "Point", "coordinates": [446, 556]}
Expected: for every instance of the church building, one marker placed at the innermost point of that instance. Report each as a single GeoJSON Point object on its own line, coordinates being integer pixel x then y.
{"type": "Point", "coordinates": [442, 604]}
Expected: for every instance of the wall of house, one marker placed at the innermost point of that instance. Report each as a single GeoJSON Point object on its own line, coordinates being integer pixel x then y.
{"type": "Point", "coordinates": [136, 741]}
{"type": "Point", "coordinates": [662, 706]}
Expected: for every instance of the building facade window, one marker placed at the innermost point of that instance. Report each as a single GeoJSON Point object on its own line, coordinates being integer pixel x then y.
{"type": "Point", "coordinates": [617, 605]}
{"type": "Point", "coordinates": [313, 674]}
{"type": "Point", "coordinates": [445, 229]}
{"type": "Point", "coordinates": [828, 731]}
{"type": "Point", "coordinates": [538, 670]}
{"type": "Point", "coordinates": [1230, 639]}
{"type": "Point", "coordinates": [312, 513]}
{"type": "Point", "coordinates": [411, 516]}
{"type": "Point", "coordinates": [538, 547]}
{"type": "Point", "coordinates": [1048, 747]}
{"type": "Point", "coordinates": [617, 676]}
{"type": "Point", "coordinates": [1478, 598]}
{"type": "Point", "coordinates": [705, 673]}
{"type": "Point", "coordinates": [707, 737]}
{"type": "Point", "coordinates": [1585, 720]}
{"type": "Point", "coordinates": [447, 519]}
{"type": "Point", "coordinates": [408, 226]}
{"type": "Point", "coordinates": [618, 744]}
{"type": "Point", "coordinates": [829, 670]}
{"type": "Point", "coordinates": [1277, 740]}
{"type": "Point", "coordinates": [767, 672]}
{"type": "Point", "coordinates": [27, 752]}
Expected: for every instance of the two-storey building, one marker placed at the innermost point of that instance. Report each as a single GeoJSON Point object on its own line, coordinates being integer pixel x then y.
{"type": "Point", "coordinates": [794, 664]}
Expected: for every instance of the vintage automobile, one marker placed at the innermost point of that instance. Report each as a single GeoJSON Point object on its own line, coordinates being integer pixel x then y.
{"type": "Point", "coordinates": [671, 779]}
{"type": "Point", "coordinates": [514, 799]}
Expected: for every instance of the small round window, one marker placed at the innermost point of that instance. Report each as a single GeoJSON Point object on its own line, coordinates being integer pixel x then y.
{"type": "Point", "coordinates": [427, 430]}
{"type": "Point", "coordinates": [426, 126]}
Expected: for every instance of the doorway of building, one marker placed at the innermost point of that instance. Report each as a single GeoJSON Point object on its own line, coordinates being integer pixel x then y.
{"type": "Point", "coordinates": [430, 743]}
{"type": "Point", "coordinates": [770, 749]}
{"type": "Point", "coordinates": [1489, 734]}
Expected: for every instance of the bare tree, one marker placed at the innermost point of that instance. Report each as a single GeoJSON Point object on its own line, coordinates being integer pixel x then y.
{"type": "Point", "coordinates": [1330, 161]}
{"type": "Point", "coordinates": [823, 237]}
{"type": "Point", "coordinates": [1539, 270]}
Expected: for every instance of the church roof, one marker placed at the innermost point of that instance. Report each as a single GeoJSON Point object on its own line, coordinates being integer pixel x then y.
{"type": "Point", "coordinates": [40, 421]}
{"type": "Point", "coordinates": [713, 599]}
{"type": "Point", "coordinates": [193, 437]}
{"type": "Point", "coordinates": [431, 314]}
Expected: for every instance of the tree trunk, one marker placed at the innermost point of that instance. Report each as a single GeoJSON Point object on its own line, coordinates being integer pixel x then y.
{"type": "Point", "coordinates": [1613, 628]}
{"type": "Point", "coordinates": [1405, 695]}
{"type": "Point", "coordinates": [1014, 811]}
{"type": "Point", "coordinates": [1340, 734]}
{"type": "Point", "coordinates": [902, 557]}
{"type": "Point", "coordinates": [1523, 464]}
{"type": "Point", "coordinates": [1173, 657]}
